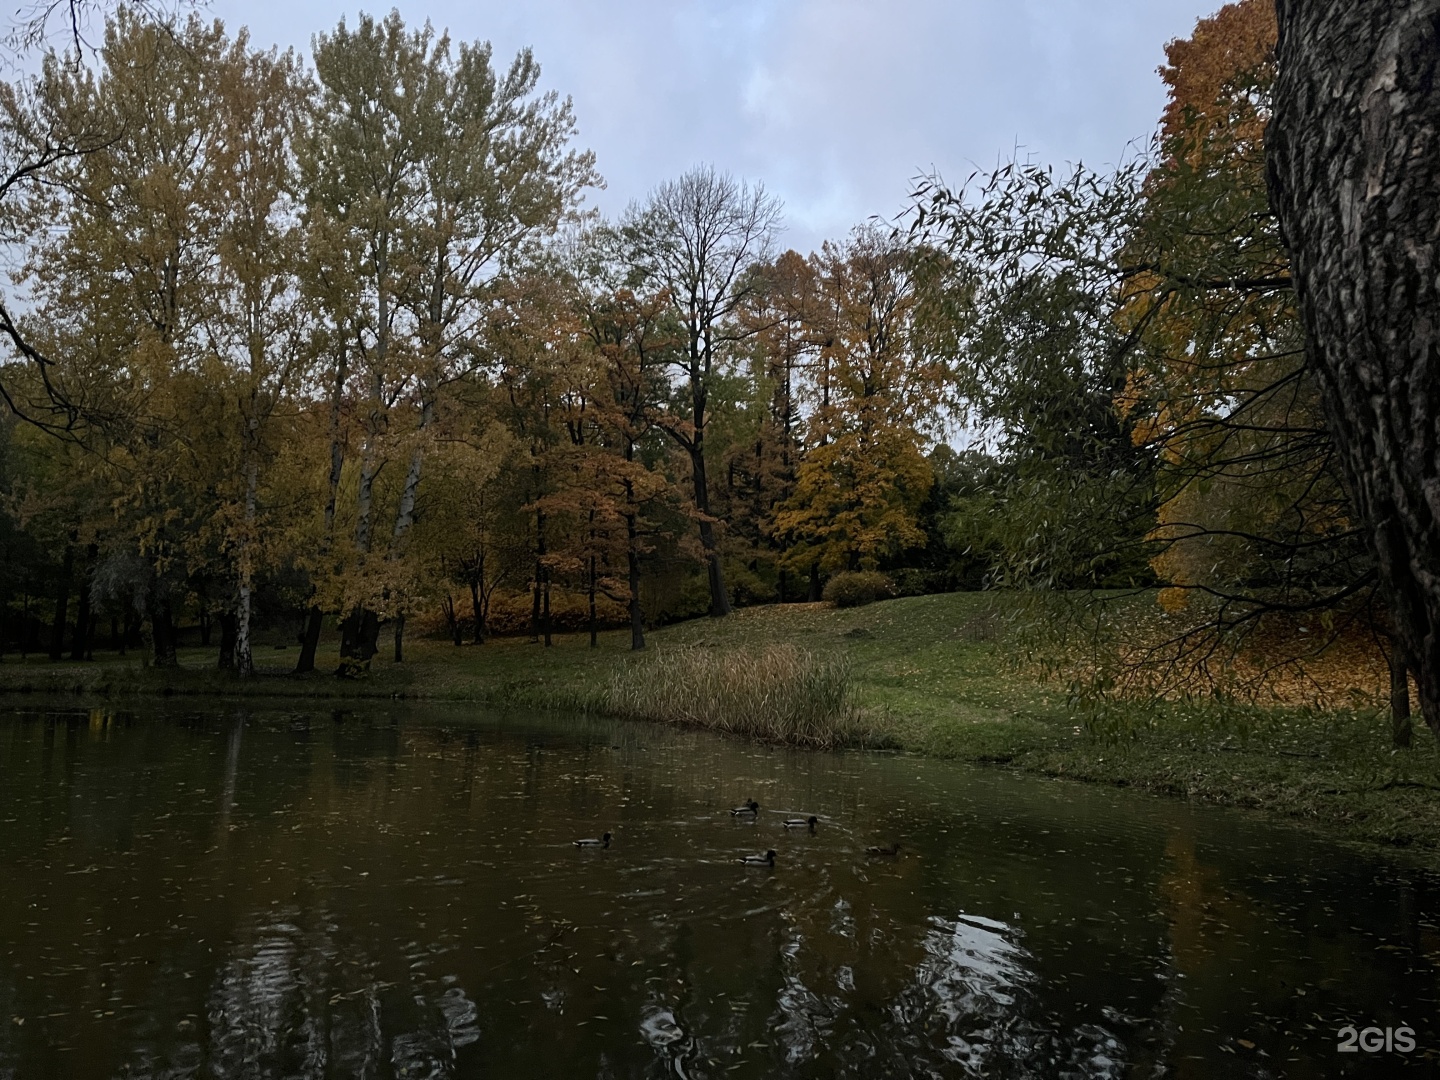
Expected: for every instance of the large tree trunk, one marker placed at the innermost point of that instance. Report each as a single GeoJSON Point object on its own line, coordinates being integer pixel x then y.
{"type": "Point", "coordinates": [310, 641]}
{"type": "Point", "coordinates": [315, 617]}
{"type": "Point", "coordinates": [1354, 153]}
{"type": "Point", "coordinates": [478, 604]}
{"type": "Point", "coordinates": [359, 637]}
{"type": "Point", "coordinates": [719, 600]}
{"type": "Point", "coordinates": [405, 513]}
{"type": "Point", "coordinates": [360, 628]}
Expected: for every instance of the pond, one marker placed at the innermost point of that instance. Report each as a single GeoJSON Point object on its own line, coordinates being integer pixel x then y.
{"type": "Point", "coordinates": [241, 891]}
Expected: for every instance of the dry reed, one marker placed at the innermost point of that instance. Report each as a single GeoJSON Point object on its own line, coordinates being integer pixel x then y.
{"type": "Point", "coordinates": [777, 693]}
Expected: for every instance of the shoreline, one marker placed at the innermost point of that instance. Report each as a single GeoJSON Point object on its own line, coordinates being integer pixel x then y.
{"type": "Point", "coordinates": [932, 675]}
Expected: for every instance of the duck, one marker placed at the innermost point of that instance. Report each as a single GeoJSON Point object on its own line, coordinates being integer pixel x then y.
{"type": "Point", "coordinates": [602, 842]}
{"type": "Point", "coordinates": [885, 852]}
{"type": "Point", "coordinates": [751, 807]}
{"type": "Point", "coordinates": [802, 823]}
{"type": "Point", "coordinates": [768, 859]}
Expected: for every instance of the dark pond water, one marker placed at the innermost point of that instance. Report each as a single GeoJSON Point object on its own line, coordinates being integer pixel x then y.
{"type": "Point", "coordinates": [393, 893]}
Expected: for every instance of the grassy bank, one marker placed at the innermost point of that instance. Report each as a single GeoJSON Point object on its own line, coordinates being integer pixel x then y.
{"type": "Point", "coordinates": [926, 674]}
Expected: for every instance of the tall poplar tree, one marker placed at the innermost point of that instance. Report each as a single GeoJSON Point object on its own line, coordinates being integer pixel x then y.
{"type": "Point", "coordinates": [430, 173]}
{"type": "Point", "coordinates": [127, 290]}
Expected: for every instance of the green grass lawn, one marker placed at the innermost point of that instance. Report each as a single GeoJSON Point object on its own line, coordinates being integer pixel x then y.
{"type": "Point", "coordinates": [935, 675]}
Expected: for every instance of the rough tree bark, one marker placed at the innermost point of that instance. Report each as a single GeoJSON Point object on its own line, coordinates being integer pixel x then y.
{"type": "Point", "coordinates": [1354, 157]}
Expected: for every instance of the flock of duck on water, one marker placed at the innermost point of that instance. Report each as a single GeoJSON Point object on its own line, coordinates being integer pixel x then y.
{"type": "Point", "coordinates": [751, 809]}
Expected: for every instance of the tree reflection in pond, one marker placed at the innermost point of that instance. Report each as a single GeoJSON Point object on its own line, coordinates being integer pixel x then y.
{"type": "Point", "coordinates": [394, 894]}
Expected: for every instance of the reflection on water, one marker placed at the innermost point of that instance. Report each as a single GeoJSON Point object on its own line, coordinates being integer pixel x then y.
{"type": "Point", "coordinates": [394, 894]}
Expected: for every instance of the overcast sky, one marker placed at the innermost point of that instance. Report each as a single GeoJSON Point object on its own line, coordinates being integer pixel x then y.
{"type": "Point", "coordinates": [835, 105]}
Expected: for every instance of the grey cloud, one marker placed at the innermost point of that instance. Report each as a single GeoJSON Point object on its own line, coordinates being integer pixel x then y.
{"type": "Point", "coordinates": [834, 104]}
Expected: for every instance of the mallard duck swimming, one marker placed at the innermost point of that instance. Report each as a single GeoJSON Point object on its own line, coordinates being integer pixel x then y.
{"type": "Point", "coordinates": [604, 842]}
{"type": "Point", "coordinates": [884, 852]}
{"type": "Point", "coordinates": [751, 807]}
{"type": "Point", "coordinates": [802, 823]}
{"type": "Point", "coordinates": [768, 859]}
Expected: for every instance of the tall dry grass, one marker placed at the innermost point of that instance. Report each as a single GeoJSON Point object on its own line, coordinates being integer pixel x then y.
{"type": "Point", "coordinates": [778, 693]}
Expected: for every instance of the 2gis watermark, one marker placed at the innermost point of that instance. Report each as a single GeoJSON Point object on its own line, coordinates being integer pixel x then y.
{"type": "Point", "coordinates": [1375, 1040]}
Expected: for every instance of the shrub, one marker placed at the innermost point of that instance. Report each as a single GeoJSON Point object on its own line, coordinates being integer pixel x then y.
{"type": "Point", "coordinates": [916, 581]}
{"type": "Point", "coordinates": [778, 693]}
{"type": "Point", "coordinates": [858, 587]}
{"type": "Point", "coordinates": [747, 588]}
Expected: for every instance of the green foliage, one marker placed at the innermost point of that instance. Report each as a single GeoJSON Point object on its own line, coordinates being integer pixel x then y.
{"type": "Point", "coordinates": [747, 587]}
{"type": "Point", "coordinates": [916, 581]}
{"type": "Point", "coordinates": [335, 351]}
{"type": "Point", "coordinates": [1066, 497]}
{"type": "Point", "coordinates": [858, 587]}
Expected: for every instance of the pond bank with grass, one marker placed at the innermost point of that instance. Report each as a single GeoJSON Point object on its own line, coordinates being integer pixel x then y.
{"type": "Point", "coordinates": [929, 675]}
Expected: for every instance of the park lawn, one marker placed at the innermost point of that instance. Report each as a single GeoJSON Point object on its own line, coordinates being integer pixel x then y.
{"type": "Point", "coordinates": [933, 674]}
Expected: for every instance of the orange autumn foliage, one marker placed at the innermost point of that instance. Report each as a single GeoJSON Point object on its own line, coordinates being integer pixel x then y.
{"type": "Point", "coordinates": [1201, 70]}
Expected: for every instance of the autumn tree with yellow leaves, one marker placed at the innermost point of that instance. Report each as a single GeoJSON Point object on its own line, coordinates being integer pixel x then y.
{"type": "Point", "coordinates": [875, 388]}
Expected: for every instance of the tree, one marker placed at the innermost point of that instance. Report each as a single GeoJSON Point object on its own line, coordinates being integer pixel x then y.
{"type": "Point", "coordinates": [1253, 518]}
{"type": "Point", "coordinates": [128, 293]}
{"type": "Point", "coordinates": [787, 315]}
{"type": "Point", "coordinates": [1353, 152]}
{"type": "Point", "coordinates": [259, 324]}
{"type": "Point", "coordinates": [875, 403]}
{"type": "Point", "coordinates": [627, 342]}
{"type": "Point", "coordinates": [32, 141]}
{"type": "Point", "coordinates": [429, 175]}
{"type": "Point", "coordinates": [696, 239]}
{"type": "Point", "coordinates": [1040, 362]}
